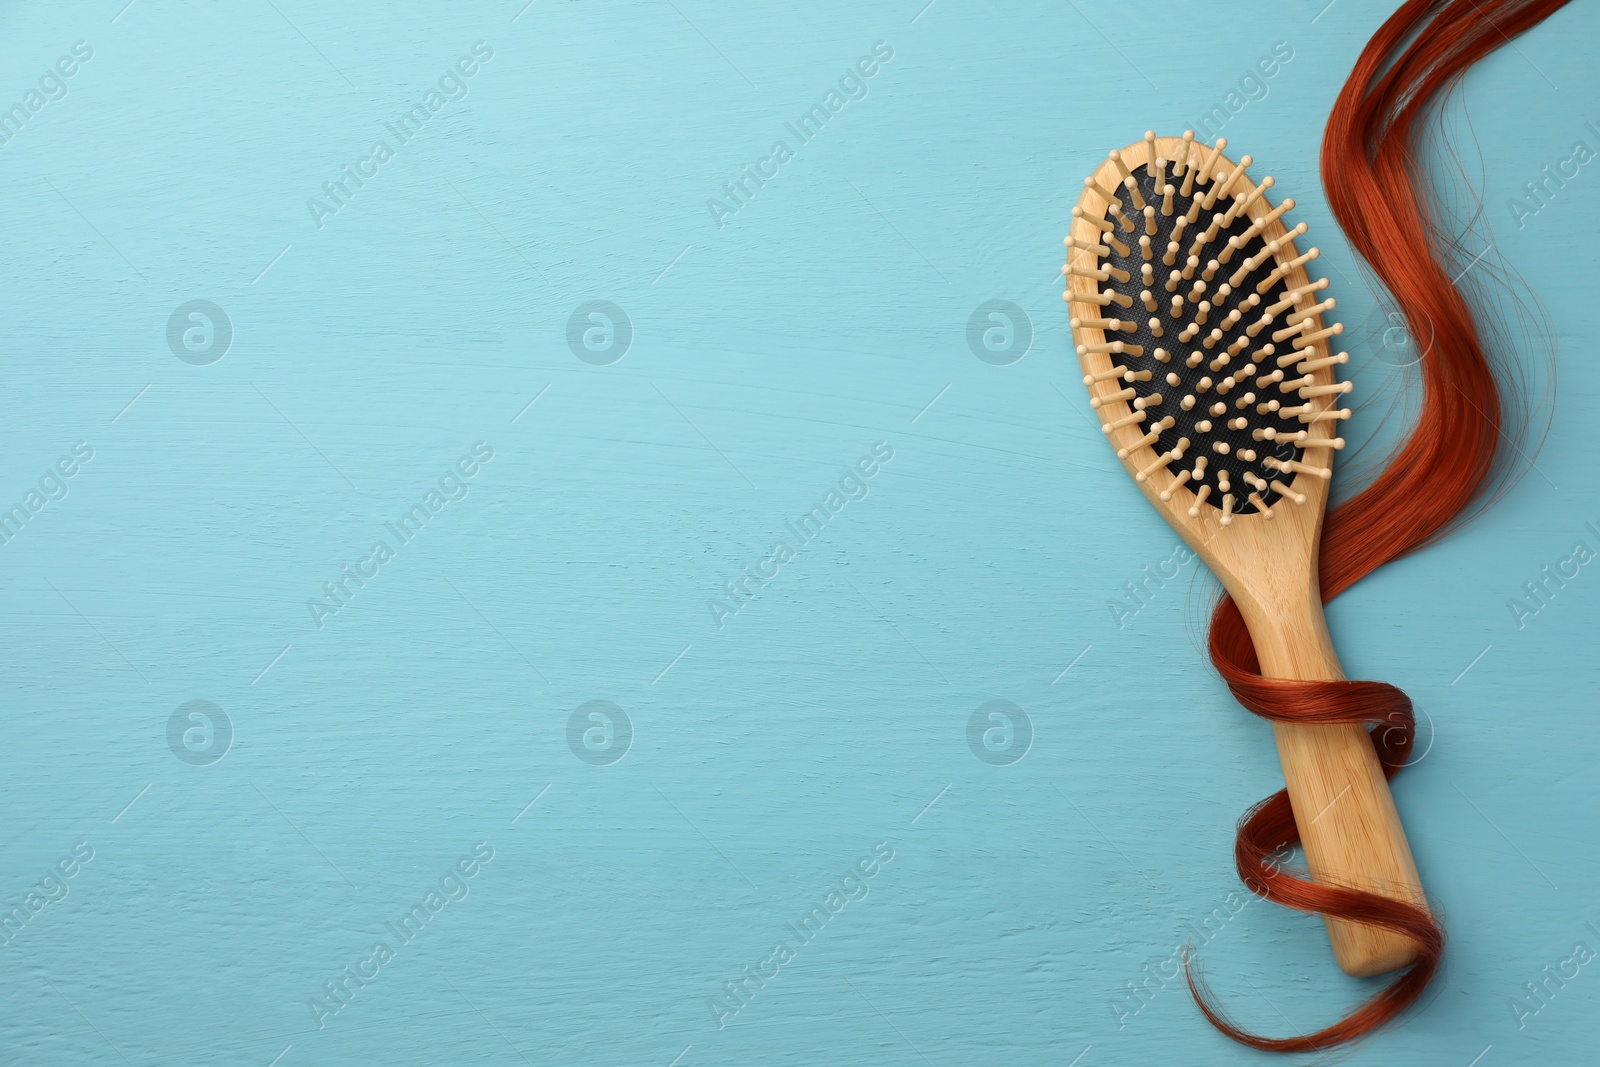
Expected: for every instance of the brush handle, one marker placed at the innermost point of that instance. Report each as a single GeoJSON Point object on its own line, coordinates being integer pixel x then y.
{"type": "Point", "coordinates": [1348, 824]}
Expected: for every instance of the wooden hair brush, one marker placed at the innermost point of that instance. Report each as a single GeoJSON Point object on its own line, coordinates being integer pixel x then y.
{"type": "Point", "coordinates": [1203, 347]}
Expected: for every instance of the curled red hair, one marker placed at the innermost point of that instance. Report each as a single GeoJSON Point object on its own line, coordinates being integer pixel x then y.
{"type": "Point", "coordinates": [1373, 172]}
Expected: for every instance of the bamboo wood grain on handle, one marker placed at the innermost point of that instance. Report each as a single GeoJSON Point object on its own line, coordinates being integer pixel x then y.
{"type": "Point", "coordinates": [1348, 824]}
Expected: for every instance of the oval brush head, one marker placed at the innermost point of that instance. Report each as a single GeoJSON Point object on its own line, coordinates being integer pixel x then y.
{"type": "Point", "coordinates": [1201, 338]}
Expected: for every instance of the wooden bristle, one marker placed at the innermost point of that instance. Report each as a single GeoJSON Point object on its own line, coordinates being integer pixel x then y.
{"type": "Point", "coordinates": [1148, 439]}
{"type": "Point", "coordinates": [1132, 186]}
{"type": "Point", "coordinates": [1102, 324]}
{"type": "Point", "coordinates": [1190, 173]}
{"type": "Point", "coordinates": [1116, 347]}
{"type": "Point", "coordinates": [1284, 490]}
{"type": "Point", "coordinates": [1291, 296]}
{"type": "Point", "coordinates": [1310, 337]}
{"type": "Point", "coordinates": [1182, 163]}
{"type": "Point", "coordinates": [1206, 174]}
{"type": "Point", "coordinates": [1074, 245]}
{"type": "Point", "coordinates": [1105, 194]}
{"type": "Point", "coordinates": [1126, 420]}
{"type": "Point", "coordinates": [1102, 299]}
{"type": "Point", "coordinates": [1122, 170]}
{"type": "Point", "coordinates": [1315, 309]}
{"type": "Point", "coordinates": [1242, 206]}
{"type": "Point", "coordinates": [1121, 394]}
{"type": "Point", "coordinates": [1283, 270]}
{"type": "Point", "coordinates": [1178, 483]}
{"type": "Point", "coordinates": [1100, 224]}
{"type": "Point", "coordinates": [1311, 365]}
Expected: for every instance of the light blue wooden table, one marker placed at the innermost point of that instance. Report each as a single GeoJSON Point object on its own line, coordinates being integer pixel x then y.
{"type": "Point", "coordinates": [520, 518]}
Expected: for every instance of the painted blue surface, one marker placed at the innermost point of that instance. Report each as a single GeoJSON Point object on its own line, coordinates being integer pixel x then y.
{"type": "Point", "coordinates": [439, 722]}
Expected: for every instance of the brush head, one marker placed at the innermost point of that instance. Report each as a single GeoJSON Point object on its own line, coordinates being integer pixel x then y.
{"type": "Point", "coordinates": [1200, 335]}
